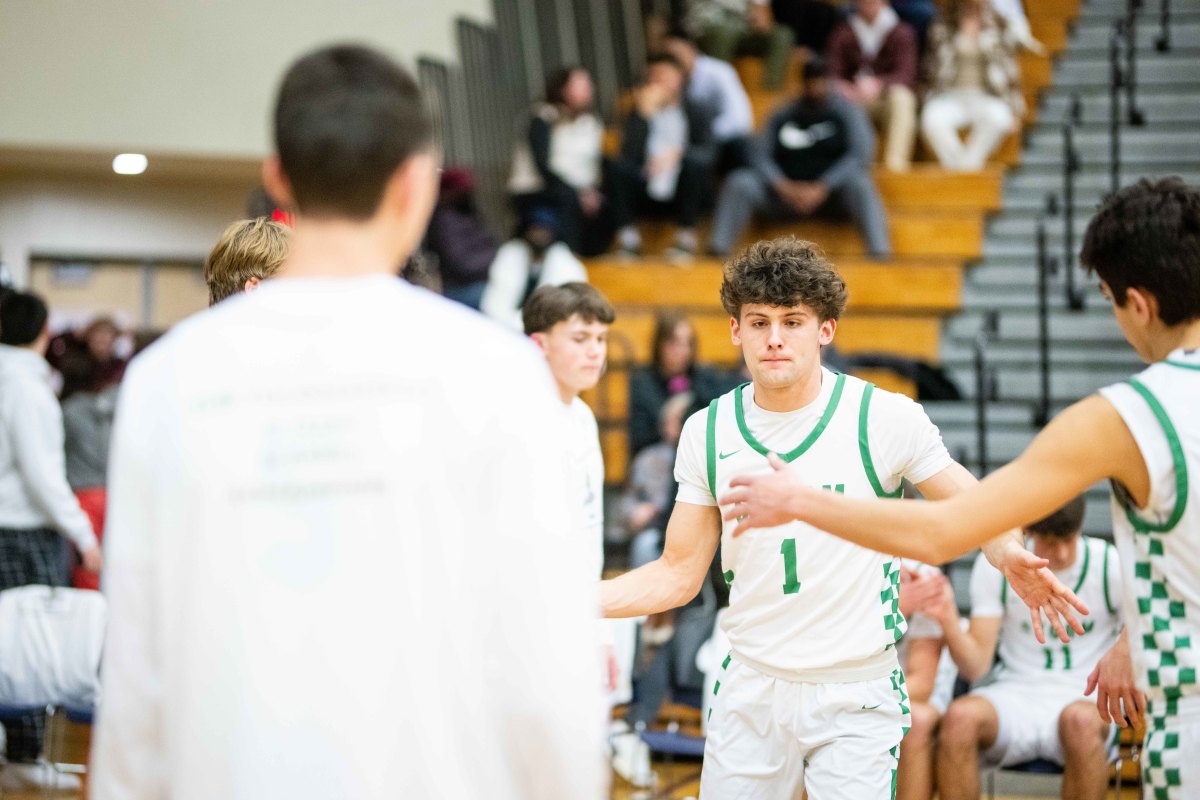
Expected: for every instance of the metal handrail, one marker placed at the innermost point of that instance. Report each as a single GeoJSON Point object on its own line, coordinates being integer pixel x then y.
{"type": "Point", "coordinates": [1136, 117]}
{"type": "Point", "coordinates": [1116, 79]}
{"type": "Point", "coordinates": [985, 385]}
{"type": "Point", "coordinates": [1163, 42]}
{"type": "Point", "coordinates": [1072, 164]}
{"type": "Point", "coordinates": [1047, 266]}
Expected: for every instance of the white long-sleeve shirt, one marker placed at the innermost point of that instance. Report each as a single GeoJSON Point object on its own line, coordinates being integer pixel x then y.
{"type": "Point", "coordinates": [33, 478]}
{"type": "Point", "coordinates": [340, 560]}
{"type": "Point", "coordinates": [716, 84]}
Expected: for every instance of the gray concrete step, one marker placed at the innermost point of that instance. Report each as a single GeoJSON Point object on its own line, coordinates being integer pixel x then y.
{"type": "Point", "coordinates": [1159, 107]}
{"type": "Point", "coordinates": [1092, 32]}
{"type": "Point", "coordinates": [1094, 324]}
{"type": "Point", "coordinates": [1066, 385]}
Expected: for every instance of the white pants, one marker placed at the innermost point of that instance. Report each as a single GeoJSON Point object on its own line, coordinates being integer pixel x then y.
{"type": "Point", "coordinates": [987, 118]}
{"type": "Point", "coordinates": [770, 739]}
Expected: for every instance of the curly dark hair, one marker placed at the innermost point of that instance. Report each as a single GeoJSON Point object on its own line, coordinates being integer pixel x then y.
{"type": "Point", "coordinates": [783, 272]}
{"type": "Point", "coordinates": [1147, 236]}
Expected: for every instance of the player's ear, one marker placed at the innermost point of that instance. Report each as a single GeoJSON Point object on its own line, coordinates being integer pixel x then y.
{"type": "Point", "coordinates": [539, 339]}
{"type": "Point", "coordinates": [825, 334]}
{"type": "Point", "coordinates": [251, 284]}
{"type": "Point", "coordinates": [735, 332]}
{"type": "Point", "coordinates": [1143, 304]}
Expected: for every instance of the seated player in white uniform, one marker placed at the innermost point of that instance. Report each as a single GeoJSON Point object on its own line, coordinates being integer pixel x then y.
{"type": "Point", "coordinates": [570, 325]}
{"type": "Point", "coordinates": [812, 695]}
{"type": "Point", "coordinates": [929, 687]}
{"type": "Point", "coordinates": [1034, 705]}
{"type": "Point", "coordinates": [1143, 435]}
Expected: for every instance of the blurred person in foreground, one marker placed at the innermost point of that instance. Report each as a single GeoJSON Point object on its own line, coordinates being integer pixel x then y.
{"type": "Point", "coordinates": [279, 459]}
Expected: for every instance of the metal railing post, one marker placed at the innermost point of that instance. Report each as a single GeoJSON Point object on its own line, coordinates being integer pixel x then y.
{"type": "Point", "coordinates": [1047, 265]}
{"type": "Point", "coordinates": [1163, 43]}
{"type": "Point", "coordinates": [1115, 81]}
{"type": "Point", "coordinates": [985, 386]}
{"type": "Point", "coordinates": [1136, 117]}
{"type": "Point", "coordinates": [1071, 167]}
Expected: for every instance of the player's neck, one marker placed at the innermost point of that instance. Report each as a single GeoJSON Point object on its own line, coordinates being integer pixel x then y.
{"type": "Point", "coordinates": [339, 249]}
{"type": "Point", "coordinates": [791, 397]}
{"type": "Point", "coordinates": [1185, 336]}
{"type": "Point", "coordinates": [566, 394]}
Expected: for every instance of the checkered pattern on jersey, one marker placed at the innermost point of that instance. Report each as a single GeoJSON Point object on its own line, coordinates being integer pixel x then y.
{"type": "Point", "coordinates": [893, 620]}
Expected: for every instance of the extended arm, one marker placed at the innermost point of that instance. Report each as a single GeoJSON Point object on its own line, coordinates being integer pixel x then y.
{"type": "Point", "coordinates": [676, 577]}
{"type": "Point", "coordinates": [1086, 443]}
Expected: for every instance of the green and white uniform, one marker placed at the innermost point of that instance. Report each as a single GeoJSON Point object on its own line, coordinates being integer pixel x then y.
{"type": "Point", "coordinates": [1160, 553]}
{"type": "Point", "coordinates": [812, 691]}
{"type": "Point", "coordinates": [1032, 683]}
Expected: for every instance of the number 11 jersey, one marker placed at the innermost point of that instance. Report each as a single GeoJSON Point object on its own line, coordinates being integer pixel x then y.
{"type": "Point", "coordinates": [805, 605]}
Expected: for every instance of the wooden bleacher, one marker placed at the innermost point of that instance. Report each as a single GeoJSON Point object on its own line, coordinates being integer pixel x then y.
{"type": "Point", "coordinates": [936, 219]}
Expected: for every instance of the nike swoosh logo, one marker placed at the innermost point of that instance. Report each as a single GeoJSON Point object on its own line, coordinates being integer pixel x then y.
{"type": "Point", "coordinates": [872, 708]}
{"type": "Point", "coordinates": [724, 456]}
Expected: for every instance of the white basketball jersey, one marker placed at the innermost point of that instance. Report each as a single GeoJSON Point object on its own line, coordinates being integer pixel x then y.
{"type": "Point", "coordinates": [1160, 544]}
{"type": "Point", "coordinates": [805, 605]}
{"type": "Point", "coordinates": [1094, 578]}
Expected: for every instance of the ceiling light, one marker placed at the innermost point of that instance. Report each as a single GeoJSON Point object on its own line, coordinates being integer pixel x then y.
{"type": "Point", "coordinates": [130, 164]}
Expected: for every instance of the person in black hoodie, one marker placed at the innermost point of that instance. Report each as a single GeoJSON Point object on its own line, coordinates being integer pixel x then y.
{"type": "Point", "coordinates": [667, 155]}
{"type": "Point", "coordinates": [814, 159]}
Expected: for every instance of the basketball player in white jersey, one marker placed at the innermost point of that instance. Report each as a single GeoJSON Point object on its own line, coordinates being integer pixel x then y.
{"type": "Point", "coordinates": [1142, 435]}
{"type": "Point", "coordinates": [569, 323]}
{"type": "Point", "coordinates": [1034, 704]}
{"type": "Point", "coordinates": [811, 695]}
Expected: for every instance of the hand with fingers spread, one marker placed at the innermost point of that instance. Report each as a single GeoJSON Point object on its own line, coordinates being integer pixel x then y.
{"type": "Point", "coordinates": [1117, 697]}
{"type": "Point", "coordinates": [764, 501]}
{"type": "Point", "coordinates": [1045, 594]}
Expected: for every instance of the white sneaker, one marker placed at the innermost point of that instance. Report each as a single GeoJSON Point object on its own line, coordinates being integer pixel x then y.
{"type": "Point", "coordinates": [631, 759]}
{"type": "Point", "coordinates": [36, 777]}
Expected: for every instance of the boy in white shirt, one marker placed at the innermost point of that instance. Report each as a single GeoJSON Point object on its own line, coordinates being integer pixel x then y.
{"type": "Point", "coordinates": [339, 551]}
{"type": "Point", "coordinates": [1034, 706]}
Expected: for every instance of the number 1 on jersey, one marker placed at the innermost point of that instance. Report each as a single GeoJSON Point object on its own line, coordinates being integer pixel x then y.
{"type": "Point", "coordinates": [791, 583]}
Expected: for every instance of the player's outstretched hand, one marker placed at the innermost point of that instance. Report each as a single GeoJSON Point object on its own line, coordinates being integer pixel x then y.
{"type": "Point", "coordinates": [1113, 682]}
{"type": "Point", "coordinates": [1034, 583]}
{"type": "Point", "coordinates": [763, 501]}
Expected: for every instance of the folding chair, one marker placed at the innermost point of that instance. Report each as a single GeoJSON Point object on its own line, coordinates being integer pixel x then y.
{"type": "Point", "coordinates": [56, 734]}
{"type": "Point", "coordinates": [672, 744]}
{"type": "Point", "coordinates": [1040, 766]}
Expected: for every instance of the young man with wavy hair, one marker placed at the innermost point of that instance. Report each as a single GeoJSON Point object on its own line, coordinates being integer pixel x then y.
{"type": "Point", "coordinates": [811, 694]}
{"type": "Point", "coordinates": [1142, 435]}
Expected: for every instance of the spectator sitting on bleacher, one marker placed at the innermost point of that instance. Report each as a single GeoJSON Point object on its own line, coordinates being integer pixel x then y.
{"type": "Point", "coordinates": [716, 84]}
{"type": "Point", "coordinates": [974, 83]}
{"type": "Point", "coordinates": [525, 264]}
{"type": "Point", "coordinates": [812, 22]}
{"type": "Point", "coordinates": [1034, 706]}
{"type": "Point", "coordinates": [673, 370]}
{"type": "Point", "coordinates": [558, 163]}
{"type": "Point", "coordinates": [460, 240]}
{"type": "Point", "coordinates": [650, 490]}
{"type": "Point", "coordinates": [873, 60]}
{"type": "Point", "coordinates": [727, 29]}
{"type": "Point", "coordinates": [1013, 14]}
{"type": "Point", "coordinates": [814, 159]}
{"type": "Point", "coordinates": [667, 158]}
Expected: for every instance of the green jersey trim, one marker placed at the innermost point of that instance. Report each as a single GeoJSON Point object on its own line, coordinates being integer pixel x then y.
{"type": "Point", "coordinates": [711, 447]}
{"type": "Point", "coordinates": [1107, 595]}
{"type": "Point", "coordinates": [739, 412]}
{"type": "Point", "coordinates": [1182, 365]}
{"type": "Point", "coordinates": [1087, 558]}
{"type": "Point", "coordinates": [864, 447]}
{"type": "Point", "coordinates": [1181, 477]}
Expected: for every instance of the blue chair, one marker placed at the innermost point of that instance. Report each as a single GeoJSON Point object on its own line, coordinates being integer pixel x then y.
{"type": "Point", "coordinates": [671, 745]}
{"type": "Point", "coordinates": [1040, 766]}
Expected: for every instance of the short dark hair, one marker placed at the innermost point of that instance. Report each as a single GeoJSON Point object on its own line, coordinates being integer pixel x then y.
{"type": "Point", "coordinates": [22, 318]}
{"type": "Point", "coordinates": [346, 118]}
{"type": "Point", "coordinates": [1147, 236]}
{"type": "Point", "coordinates": [1062, 524]}
{"type": "Point", "coordinates": [664, 58]}
{"type": "Point", "coordinates": [551, 305]}
{"type": "Point", "coordinates": [783, 272]}
{"type": "Point", "coordinates": [557, 82]}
